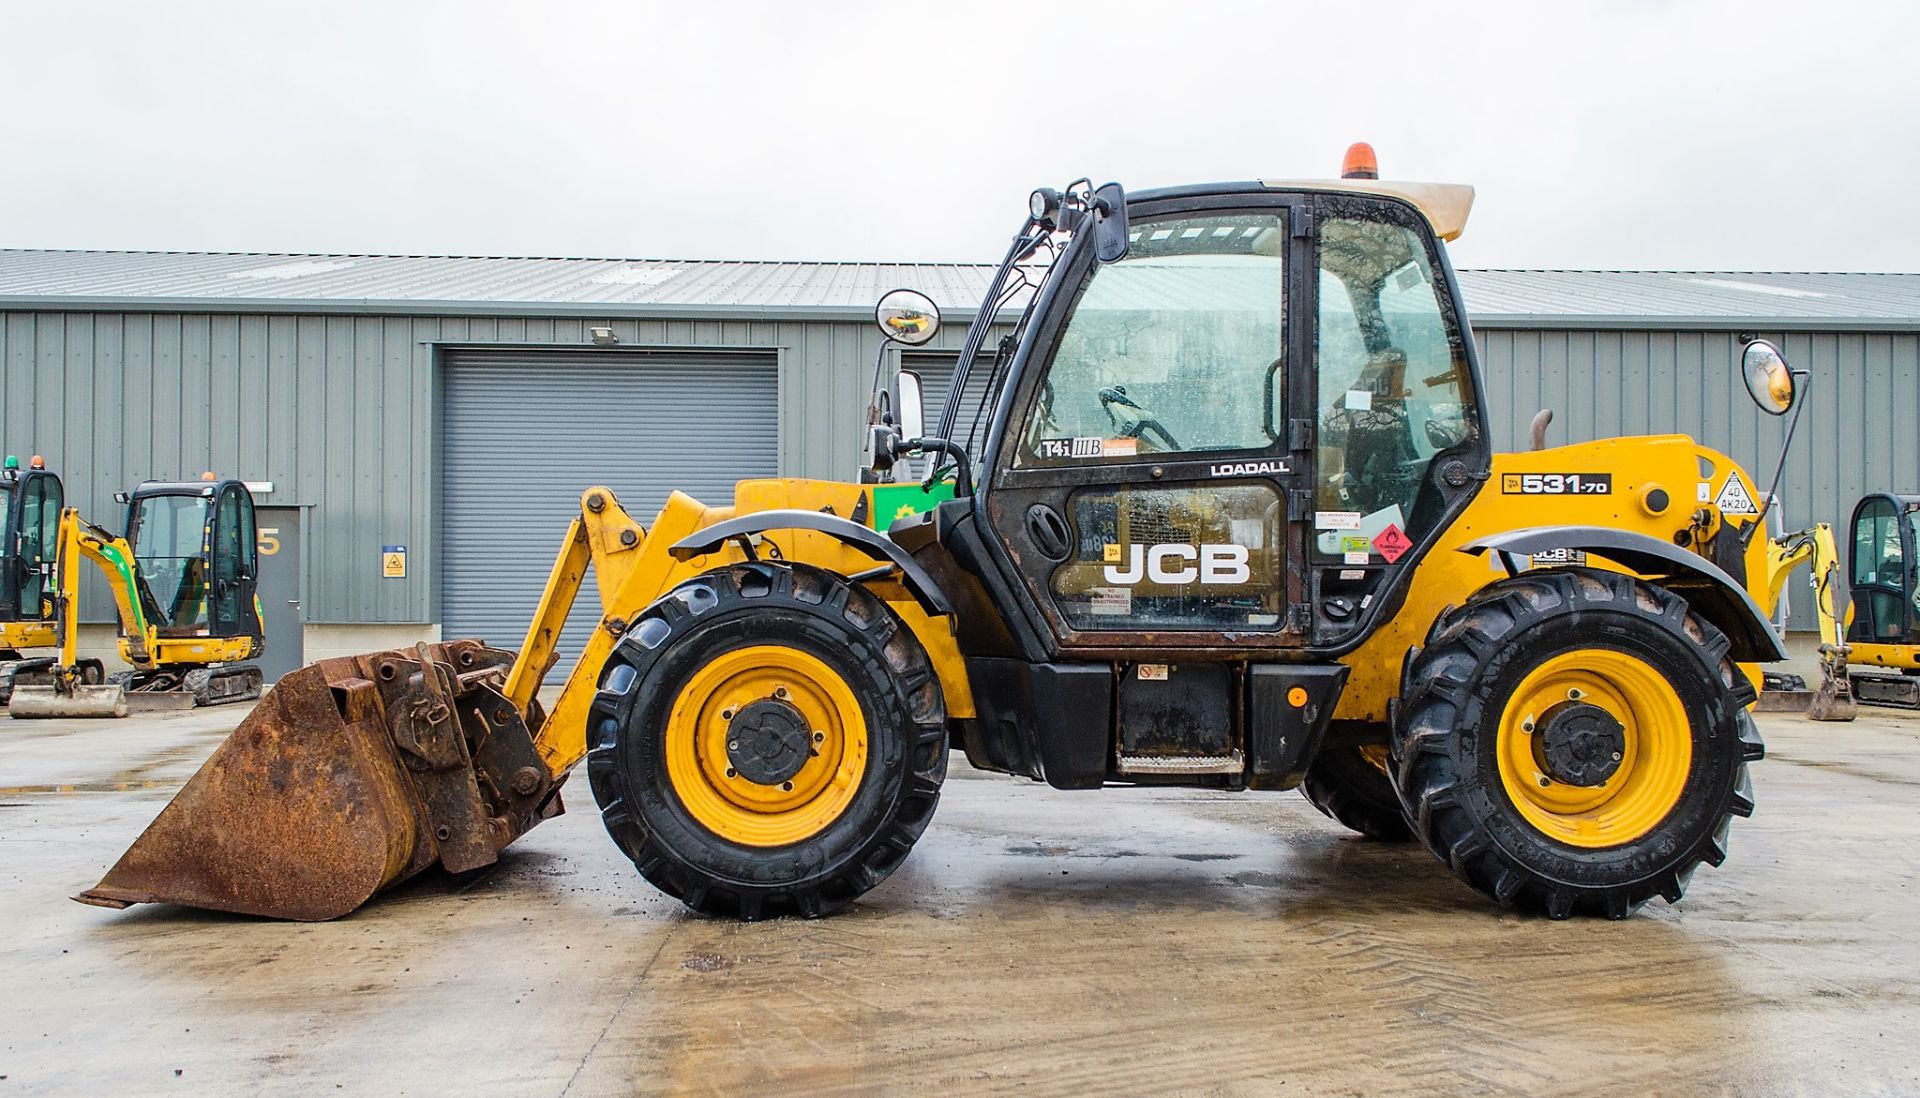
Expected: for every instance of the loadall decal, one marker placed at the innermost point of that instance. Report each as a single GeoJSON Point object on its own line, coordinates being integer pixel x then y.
{"type": "Point", "coordinates": [1556, 484]}
{"type": "Point", "coordinates": [1176, 563]}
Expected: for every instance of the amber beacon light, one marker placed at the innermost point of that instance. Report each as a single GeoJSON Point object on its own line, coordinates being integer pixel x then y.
{"type": "Point", "coordinates": [1360, 163]}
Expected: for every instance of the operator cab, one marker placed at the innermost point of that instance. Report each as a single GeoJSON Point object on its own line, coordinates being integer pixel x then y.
{"type": "Point", "coordinates": [195, 546]}
{"type": "Point", "coordinates": [32, 499]}
{"type": "Point", "coordinates": [1227, 424]}
{"type": "Point", "coordinates": [1883, 569]}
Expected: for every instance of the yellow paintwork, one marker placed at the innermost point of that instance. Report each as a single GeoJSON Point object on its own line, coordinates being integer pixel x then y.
{"type": "Point", "coordinates": [1654, 761]}
{"type": "Point", "coordinates": [28, 634]}
{"type": "Point", "coordinates": [1884, 655]}
{"type": "Point", "coordinates": [728, 803]}
{"type": "Point", "coordinates": [1446, 577]}
{"type": "Point", "coordinates": [631, 576]}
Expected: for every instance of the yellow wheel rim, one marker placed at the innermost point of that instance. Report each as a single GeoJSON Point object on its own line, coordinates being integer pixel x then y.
{"type": "Point", "coordinates": [806, 693]}
{"type": "Point", "coordinates": [1655, 758]}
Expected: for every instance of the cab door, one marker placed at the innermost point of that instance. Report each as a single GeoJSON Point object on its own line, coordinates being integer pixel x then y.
{"type": "Point", "coordinates": [1141, 483]}
{"type": "Point", "coordinates": [234, 566]}
{"type": "Point", "coordinates": [37, 544]}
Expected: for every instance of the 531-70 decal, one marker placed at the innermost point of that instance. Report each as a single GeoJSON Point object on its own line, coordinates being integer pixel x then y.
{"type": "Point", "coordinates": [1556, 484]}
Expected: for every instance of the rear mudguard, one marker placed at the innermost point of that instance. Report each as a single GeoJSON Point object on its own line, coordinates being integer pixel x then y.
{"type": "Point", "coordinates": [1713, 594]}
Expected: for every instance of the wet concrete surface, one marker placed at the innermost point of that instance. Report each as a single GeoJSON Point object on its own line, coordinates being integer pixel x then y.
{"type": "Point", "coordinates": [1038, 941]}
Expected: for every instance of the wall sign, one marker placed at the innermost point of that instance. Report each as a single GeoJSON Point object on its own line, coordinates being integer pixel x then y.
{"type": "Point", "coordinates": [393, 561]}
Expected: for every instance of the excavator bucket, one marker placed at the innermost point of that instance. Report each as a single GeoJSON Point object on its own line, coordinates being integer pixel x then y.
{"type": "Point", "coordinates": [348, 777]}
{"type": "Point", "coordinates": [105, 700]}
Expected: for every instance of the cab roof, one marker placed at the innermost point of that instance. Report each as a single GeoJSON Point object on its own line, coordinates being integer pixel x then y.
{"type": "Point", "coordinates": [1445, 205]}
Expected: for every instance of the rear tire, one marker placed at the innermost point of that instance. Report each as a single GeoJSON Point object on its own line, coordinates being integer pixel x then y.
{"type": "Point", "coordinates": [1348, 786]}
{"type": "Point", "coordinates": [1493, 755]}
{"type": "Point", "coordinates": [767, 649]}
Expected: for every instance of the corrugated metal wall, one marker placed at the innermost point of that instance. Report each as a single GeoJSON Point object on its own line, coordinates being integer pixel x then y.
{"type": "Point", "coordinates": [338, 412]}
{"type": "Point", "coordinates": [1860, 431]}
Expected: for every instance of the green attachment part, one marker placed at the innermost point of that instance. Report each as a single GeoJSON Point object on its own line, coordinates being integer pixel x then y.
{"type": "Point", "coordinates": [893, 502]}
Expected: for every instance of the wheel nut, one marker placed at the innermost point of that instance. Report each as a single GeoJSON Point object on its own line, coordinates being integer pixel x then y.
{"type": "Point", "coordinates": [1616, 756]}
{"type": "Point", "coordinates": [780, 692]}
{"type": "Point", "coordinates": [1527, 727]}
{"type": "Point", "coordinates": [1545, 781]}
{"type": "Point", "coordinates": [733, 745]}
{"type": "Point", "coordinates": [731, 773]}
{"type": "Point", "coordinates": [726, 714]}
{"type": "Point", "coordinates": [1575, 694]}
{"type": "Point", "coordinates": [786, 787]}
{"type": "Point", "coordinates": [819, 737]}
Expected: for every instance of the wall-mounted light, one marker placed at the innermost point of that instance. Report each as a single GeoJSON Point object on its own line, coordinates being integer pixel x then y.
{"type": "Point", "coordinates": [604, 337]}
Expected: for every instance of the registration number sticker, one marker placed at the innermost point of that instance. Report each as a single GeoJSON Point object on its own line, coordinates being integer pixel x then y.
{"type": "Point", "coordinates": [1556, 484]}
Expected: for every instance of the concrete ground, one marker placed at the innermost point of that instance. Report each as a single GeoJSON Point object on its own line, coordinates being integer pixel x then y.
{"type": "Point", "coordinates": [1054, 943]}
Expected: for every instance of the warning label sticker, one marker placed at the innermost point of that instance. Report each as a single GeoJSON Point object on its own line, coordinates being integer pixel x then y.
{"type": "Point", "coordinates": [1391, 543]}
{"type": "Point", "coordinates": [1734, 498]}
{"type": "Point", "coordinates": [1110, 602]}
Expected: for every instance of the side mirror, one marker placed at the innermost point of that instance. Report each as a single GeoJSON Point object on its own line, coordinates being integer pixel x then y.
{"type": "Point", "coordinates": [1110, 223]}
{"type": "Point", "coordinates": [1770, 381]}
{"type": "Point", "coordinates": [912, 409]}
{"type": "Point", "coordinates": [907, 316]}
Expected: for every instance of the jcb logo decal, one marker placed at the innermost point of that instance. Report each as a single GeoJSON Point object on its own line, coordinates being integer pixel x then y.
{"type": "Point", "coordinates": [1176, 563]}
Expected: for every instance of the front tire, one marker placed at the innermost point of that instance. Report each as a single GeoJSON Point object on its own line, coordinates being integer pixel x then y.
{"type": "Point", "coordinates": [767, 738]}
{"type": "Point", "coordinates": [1575, 741]}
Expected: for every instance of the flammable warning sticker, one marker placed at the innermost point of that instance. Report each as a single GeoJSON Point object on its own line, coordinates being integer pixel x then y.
{"type": "Point", "coordinates": [1391, 543]}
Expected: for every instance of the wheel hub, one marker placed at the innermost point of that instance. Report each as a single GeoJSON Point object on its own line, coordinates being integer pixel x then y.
{"type": "Point", "coordinates": [768, 741]}
{"type": "Point", "coordinates": [1581, 744]}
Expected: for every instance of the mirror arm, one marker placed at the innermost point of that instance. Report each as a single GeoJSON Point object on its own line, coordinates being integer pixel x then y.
{"type": "Point", "coordinates": [962, 466]}
{"type": "Point", "coordinates": [1804, 381]}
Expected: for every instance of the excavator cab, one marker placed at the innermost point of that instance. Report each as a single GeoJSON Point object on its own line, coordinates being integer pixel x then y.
{"type": "Point", "coordinates": [32, 499]}
{"type": "Point", "coordinates": [1882, 570]}
{"type": "Point", "coordinates": [198, 568]}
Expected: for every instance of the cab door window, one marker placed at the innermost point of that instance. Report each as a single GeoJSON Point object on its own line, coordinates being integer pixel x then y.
{"type": "Point", "coordinates": [233, 545]}
{"type": "Point", "coordinates": [1394, 389]}
{"type": "Point", "coordinates": [40, 505]}
{"type": "Point", "coordinates": [1174, 349]}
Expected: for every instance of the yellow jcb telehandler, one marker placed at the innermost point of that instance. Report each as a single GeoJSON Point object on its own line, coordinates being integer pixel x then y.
{"type": "Point", "coordinates": [1227, 516]}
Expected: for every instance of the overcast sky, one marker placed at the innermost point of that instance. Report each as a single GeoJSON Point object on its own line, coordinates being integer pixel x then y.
{"type": "Point", "coordinates": [1745, 136]}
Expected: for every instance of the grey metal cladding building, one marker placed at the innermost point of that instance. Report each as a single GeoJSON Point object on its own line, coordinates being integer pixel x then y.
{"type": "Point", "coordinates": [456, 406]}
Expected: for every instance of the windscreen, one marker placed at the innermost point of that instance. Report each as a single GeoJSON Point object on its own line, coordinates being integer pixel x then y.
{"type": "Point", "coordinates": [169, 532]}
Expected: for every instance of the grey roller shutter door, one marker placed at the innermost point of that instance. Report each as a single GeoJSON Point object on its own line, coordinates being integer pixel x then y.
{"type": "Point", "coordinates": [936, 379]}
{"type": "Point", "coordinates": [526, 431]}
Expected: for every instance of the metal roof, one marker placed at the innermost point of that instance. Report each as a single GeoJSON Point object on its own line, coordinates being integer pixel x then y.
{"type": "Point", "coordinates": [245, 282]}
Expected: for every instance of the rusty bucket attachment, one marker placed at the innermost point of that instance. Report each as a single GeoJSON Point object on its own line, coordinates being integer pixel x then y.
{"type": "Point", "coordinates": [348, 777]}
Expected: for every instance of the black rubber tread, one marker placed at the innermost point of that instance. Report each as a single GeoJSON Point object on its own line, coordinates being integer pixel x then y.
{"type": "Point", "coordinates": [1356, 794]}
{"type": "Point", "coordinates": [836, 621]}
{"type": "Point", "coordinates": [1455, 686]}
